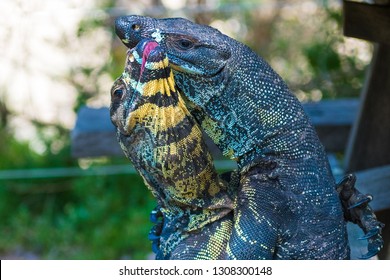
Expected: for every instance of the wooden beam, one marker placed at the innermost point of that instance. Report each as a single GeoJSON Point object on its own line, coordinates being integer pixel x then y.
{"type": "Point", "coordinates": [94, 134]}
{"type": "Point", "coordinates": [332, 120]}
{"type": "Point", "coordinates": [367, 21]}
{"type": "Point", "coordinates": [375, 181]}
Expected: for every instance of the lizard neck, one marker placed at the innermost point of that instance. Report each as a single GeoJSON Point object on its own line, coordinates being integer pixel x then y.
{"type": "Point", "coordinates": [169, 152]}
{"type": "Point", "coordinates": [245, 106]}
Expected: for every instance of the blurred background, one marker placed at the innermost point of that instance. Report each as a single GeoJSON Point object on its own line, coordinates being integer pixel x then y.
{"type": "Point", "coordinates": [59, 55]}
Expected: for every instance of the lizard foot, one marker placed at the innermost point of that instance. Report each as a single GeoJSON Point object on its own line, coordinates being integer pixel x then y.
{"type": "Point", "coordinates": [358, 211]}
{"type": "Point", "coordinates": [154, 234]}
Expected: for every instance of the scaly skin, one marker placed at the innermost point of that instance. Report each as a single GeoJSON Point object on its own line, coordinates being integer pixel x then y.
{"type": "Point", "coordinates": [162, 139]}
{"type": "Point", "coordinates": [288, 206]}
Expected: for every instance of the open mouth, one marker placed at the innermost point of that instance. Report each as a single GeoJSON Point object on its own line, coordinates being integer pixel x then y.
{"type": "Point", "coordinates": [147, 49]}
{"type": "Point", "coordinates": [138, 58]}
{"type": "Point", "coordinates": [187, 67]}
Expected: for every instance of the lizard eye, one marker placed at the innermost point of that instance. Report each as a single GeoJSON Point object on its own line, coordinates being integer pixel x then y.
{"type": "Point", "coordinates": [185, 44]}
{"type": "Point", "coordinates": [118, 93]}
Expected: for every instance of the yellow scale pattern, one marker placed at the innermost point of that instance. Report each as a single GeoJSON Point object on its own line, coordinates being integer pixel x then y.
{"type": "Point", "coordinates": [190, 182]}
{"type": "Point", "coordinates": [158, 119]}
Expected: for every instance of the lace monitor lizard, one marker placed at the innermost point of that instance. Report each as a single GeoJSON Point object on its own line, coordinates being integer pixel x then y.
{"type": "Point", "coordinates": [288, 205]}
{"type": "Point", "coordinates": [165, 144]}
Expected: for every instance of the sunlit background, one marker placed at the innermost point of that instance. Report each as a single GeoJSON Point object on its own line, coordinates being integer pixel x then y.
{"type": "Point", "coordinates": [52, 50]}
{"type": "Point", "coordinates": [59, 55]}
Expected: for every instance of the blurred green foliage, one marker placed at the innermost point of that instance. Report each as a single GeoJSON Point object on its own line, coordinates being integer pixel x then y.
{"type": "Point", "coordinates": [106, 217]}
{"type": "Point", "coordinates": [97, 217]}
{"type": "Point", "coordinates": [304, 44]}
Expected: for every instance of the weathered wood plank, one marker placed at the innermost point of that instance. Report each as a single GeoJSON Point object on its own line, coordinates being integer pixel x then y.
{"type": "Point", "coordinates": [332, 120]}
{"type": "Point", "coordinates": [94, 134]}
{"type": "Point", "coordinates": [367, 21]}
{"type": "Point", "coordinates": [337, 112]}
{"type": "Point", "coordinates": [375, 181]}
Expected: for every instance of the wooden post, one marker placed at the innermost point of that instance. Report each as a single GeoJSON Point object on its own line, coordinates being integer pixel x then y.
{"type": "Point", "coordinates": [366, 21]}
{"type": "Point", "coordinates": [369, 143]}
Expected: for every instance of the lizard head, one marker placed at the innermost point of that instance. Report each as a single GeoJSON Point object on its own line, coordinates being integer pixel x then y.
{"type": "Point", "coordinates": [146, 73]}
{"type": "Point", "coordinates": [189, 51]}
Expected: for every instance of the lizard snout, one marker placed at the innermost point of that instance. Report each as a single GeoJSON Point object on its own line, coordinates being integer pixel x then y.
{"type": "Point", "coordinates": [128, 29]}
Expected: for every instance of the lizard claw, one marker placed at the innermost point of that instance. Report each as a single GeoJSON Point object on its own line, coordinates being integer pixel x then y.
{"type": "Point", "coordinates": [360, 200]}
{"type": "Point", "coordinates": [374, 246]}
{"type": "Point", "coordinates": [156, 217]}
{"type": "Point", "coordinates": [156, 247]}
{"type": "Point", "coordinates": [369, 255]}
{"type": "Point", "coordinates": [153, 234]}
{"type": "Point", "coordinates": [357, 210]}
{"type": "Point", "coordinates": [371, 233]}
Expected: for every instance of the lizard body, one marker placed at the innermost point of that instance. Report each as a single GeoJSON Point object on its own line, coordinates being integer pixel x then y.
{"type": "Point", "coordinates": [287, 203]}
{"type": "Point", "coordinates": [165, 144]}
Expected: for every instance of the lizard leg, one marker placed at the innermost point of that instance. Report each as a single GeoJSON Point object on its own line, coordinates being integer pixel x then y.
{"type": "Point", "coordinates": [357, 210]}
{"type": "Point", "coordinates": [260, 205]}
{"type": "Point", "coordinates": [208, 243]}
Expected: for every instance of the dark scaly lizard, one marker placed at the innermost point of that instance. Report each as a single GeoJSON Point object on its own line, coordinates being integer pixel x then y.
{"type": "Point", "coordinates": [287, 205]}
{"type": "Point", "coordinates": [163, 141]}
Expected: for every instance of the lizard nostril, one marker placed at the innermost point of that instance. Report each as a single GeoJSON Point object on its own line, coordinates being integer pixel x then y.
{"type": "Point", "coordinates": [136, 27]}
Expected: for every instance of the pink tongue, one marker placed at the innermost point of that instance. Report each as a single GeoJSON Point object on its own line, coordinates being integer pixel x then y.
{"type": "Point", "coordinates": [148, 48]}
